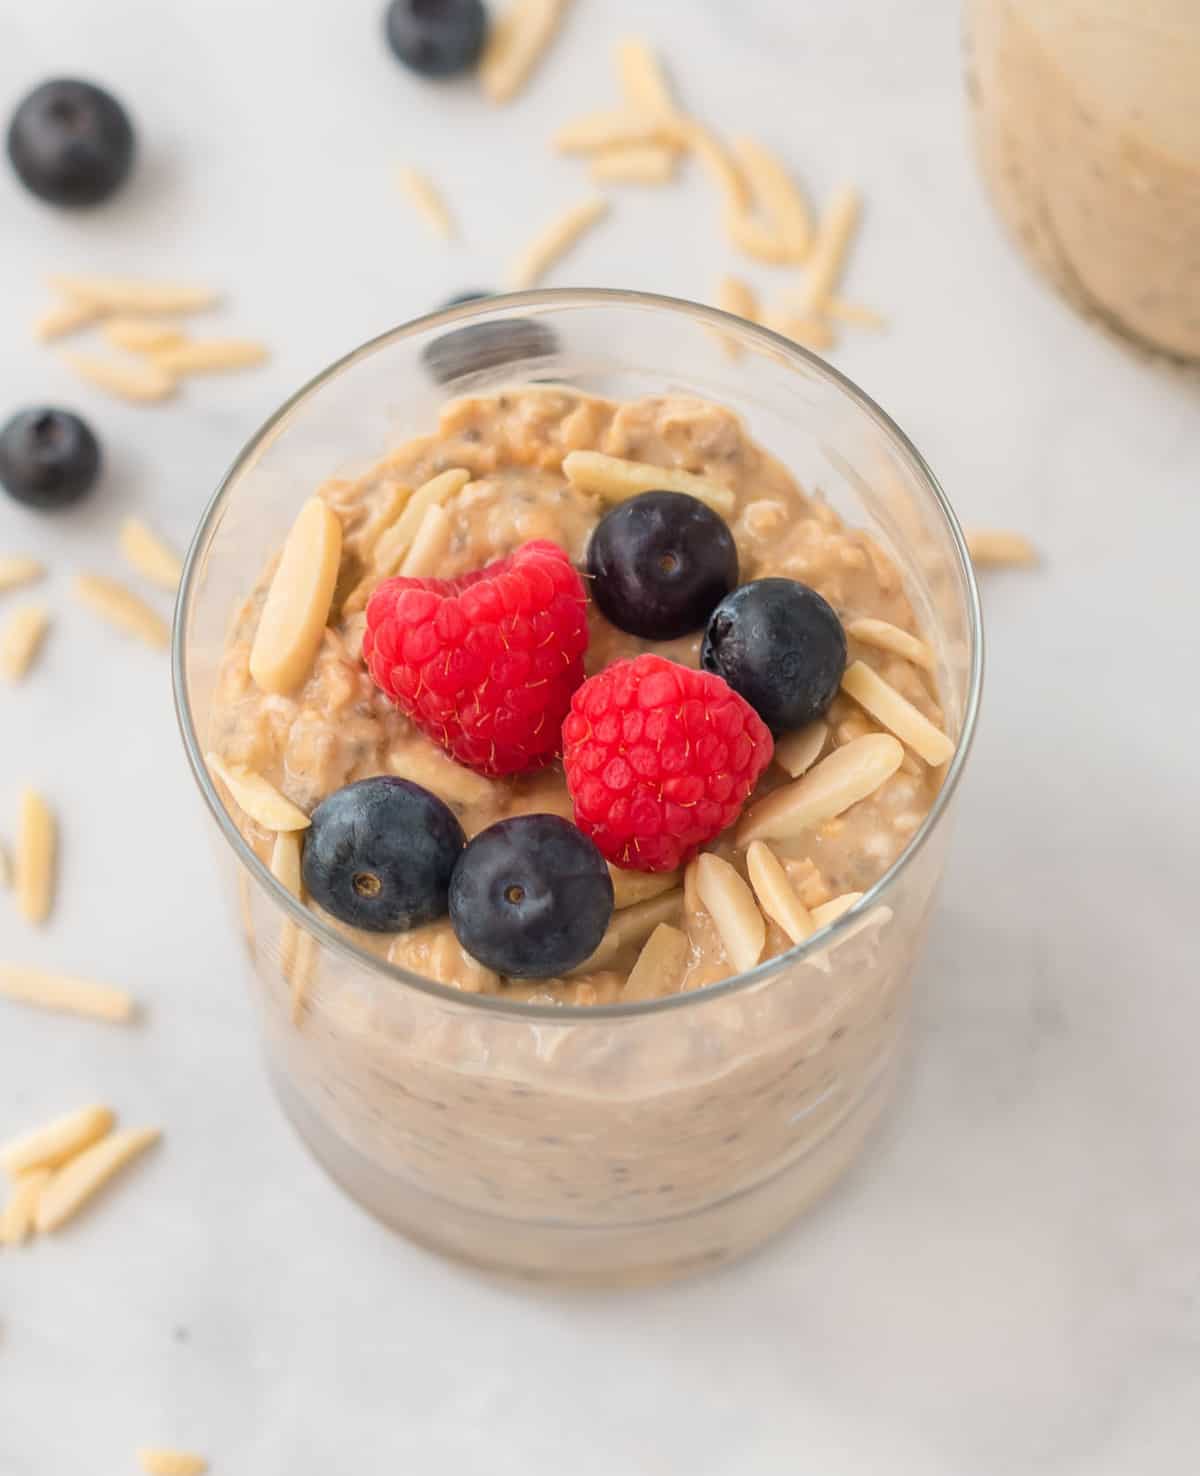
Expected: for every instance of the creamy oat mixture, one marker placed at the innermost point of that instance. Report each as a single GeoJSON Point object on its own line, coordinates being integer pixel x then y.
{"type": "Point", "coordinates": [337, 727]}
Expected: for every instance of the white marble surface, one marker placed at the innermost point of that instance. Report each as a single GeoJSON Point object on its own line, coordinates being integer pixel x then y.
{"type": "Point", "coordinates": [1009, 1283]}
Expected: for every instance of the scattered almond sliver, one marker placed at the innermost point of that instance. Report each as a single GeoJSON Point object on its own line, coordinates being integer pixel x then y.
{"type": "Point", "coordinates": [659, 967]}
{"type": "Point", "coordinates": [20, 640]}
{"type": "Point", "coordinates": [142, 335]}
{"type": "Point", "coordinates": [553, 242]}
{"type": "Point", "coordinates": [430, 546]}
{"type": "Point", "coordinates": [642, 79]}
{"type": "Point", "coordinates": [61, 992]}
{"type": "Point", "coordinates": [149, 555]}
{"type": "Point", "coordinates": [141, 382]}
{"type": "Point", "coordinates": [614, 479]}
{"type": "Point", "coordinates": [798, 752]}
{"type": "Point", "coordinates": [812, 332]}
{"type": "Point", "coordinates": [775, 894]}
{"type": "Point", "coordinates": [211, 356]}
{"type": "Point", "coordinates": [830, 911]}
{"type": "Point", "coordinates": [258, 797]}
{"type": "Point", "coordinates": [617, 128]}
{"type": "Point", "coordinates": [297, 605]}
{"type": "Point", "coordinates": [632, 925]}
{"type": "Point", "coordinates": [423, 764]}
{"type": "Point", "coordinates": [55, 1142]}
{"type": "Point", "coordinates": [896, 713]}
{"type": "Point", "coordinates": [159, 1461]}
{"type": "Point", "coordinates": [719, 167]}
{"type": "Point", "coordinates": [778, 196]}
{"type": "Point", "coordinates": [427, 200]}
{"type": "Point", "coordinates": [20, 1212]}
{"type": "Point", "coordinates": [16, 570]}
{"type": "Point", "coordinates": [121, 608]}
{"type": "Point", "coordinates": [735, 295]}
{"type": "Point", "coordinates": [64, 318]}
{"type": "Point", "coordinates": [132, 295]}
{"type": "Point", "coordinates": [887, 637]}
{"type": "Point", "coordinates": [517, 41]}
{"type": "Point", "coordinates": [36, 858]}
{"type": "Point", "coordinates": [731, 905]}
{"type": "Point", "coordinates": [70, 1189]}
{"type": "Point", "coordinates": [632, 887]}
{"type": "Point", "coordinates": [395, 542]}
{"type": "Point", "coordinates": [649, 164]}
{"type": "Point", "coordinates": [757, 240]}
{"type": "Point", "coordinates": [847, 775]}
{"type": "Point", "coordinates": [995, 548]}
{"type": "Point", "coordinates": [853, 312]}
{"type": "Point", "coordinates": [830, 248]}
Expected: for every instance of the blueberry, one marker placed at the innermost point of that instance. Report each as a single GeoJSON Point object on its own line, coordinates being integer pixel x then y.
{"type": "Point", "coordinates": [479, 346]}
{"type": "Point", "coordinates": [48, 458]}
{"type": "Point", "coordinates": [380, 853]}
{"type": "Point", "coordinates": [437, 38]}
{"type": "Point", "coordinates": [531, 896]}
{"type": "Point", "coordinates": [71, 143]}
{"type": "Point", "coordinates": [660, 564]}
{"type": "Point", "coordinates": [779, 645]}
{"type": "Point", "coordinates": [472, 295]}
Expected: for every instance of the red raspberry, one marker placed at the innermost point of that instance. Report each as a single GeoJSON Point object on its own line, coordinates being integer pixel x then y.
{"type": "Point", "coordinates": [484, 665]}
{"type": "Point", "coordinates": [660, 759]}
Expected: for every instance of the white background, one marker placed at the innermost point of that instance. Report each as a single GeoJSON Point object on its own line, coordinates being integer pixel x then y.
{"type": "Point", "coordinates": [1009, 1281]}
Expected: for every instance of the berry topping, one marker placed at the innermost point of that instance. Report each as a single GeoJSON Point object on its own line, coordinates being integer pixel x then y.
{"type": "Point", "coordinates": [531, 896]}
{"type": "Point", "coordinates": [70, 143]}
{"type": "Point", "coordinates": [437, 38]}
{"type": "Point", "coordinates": [659, 759]}
{"type": "Point", "coordinates": [473, 294]}
{"type": "Point", "coordinates": [660, 564]}
{"type": "Point", "coordinates": [486, 664]}
{"type": "Point", "coordinates": [48, 458]}
{"type": "Point", "coordinates": [781, 645]}
{"type": "Point", "coordinates": [497, 344]}
{"type": "Point", "coordinates": [380, 853]}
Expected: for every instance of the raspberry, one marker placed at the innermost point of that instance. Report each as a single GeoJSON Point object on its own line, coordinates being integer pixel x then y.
{"type": "Point", "coordinates": [486, 664]}
{"type": "Point", "coordinates": [659, 759]}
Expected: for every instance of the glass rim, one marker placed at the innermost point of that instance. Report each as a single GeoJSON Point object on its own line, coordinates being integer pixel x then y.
{"type": "Point", "coordinates": [338, 943]}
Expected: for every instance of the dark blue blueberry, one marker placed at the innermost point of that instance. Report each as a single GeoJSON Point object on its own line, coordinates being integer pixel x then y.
{"type": "Point", "coordinates": [660, 564]}
{"type": "Point", "coordinates": [493, 345]}
{"type": "Point", "coordinates": [71, 143]}
{"type": "Point", "coordinates": [437, 38]}
{"type": "Point", "coordinates": [780, 645]}
{"type": "Point", "coordinates": [531, 896]}
{"type": "Point", "coordinates": [48, 458]}
{"type": "Point", "coordinates": [460, 297]}
{"type": "Point", "coordinates": [380, 853]}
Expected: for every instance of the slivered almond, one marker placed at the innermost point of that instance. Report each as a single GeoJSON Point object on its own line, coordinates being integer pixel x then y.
{"type": "Point", "coordinates": [618, 128]}
{"type": "Point", "coordinates": [649, 164]}
{"type": "Point", "coordinates": [895, 712]}
{"type": "Point", "coordinates": [396, 541]}
{"type": "Point", "coordinates": [659, 967]}
{"type": "Point", "coordinates": [778, 195]}
{"type": "Point", "coordinates": [642, 79]}
{"type": "Point", "coordinates": [735, 295]}
{"type": "Point", "coordinates": [775, 894]}
{"type": "Point", "coordinates": [553, 242]}
{"type": "Point", "coordinates": [297, 604]}
{"type": "Point", "coordinates": [64, 318]}
{"type": "Point", "coordinates": [21, 639]}
{"type": "Point", "coordinates": [996, 548]}
{"type": "Point", "coordinates": [285, 860]}
{"type": "Point", "coordinates": [854, 312]}
{"type": "Point", "coordinates": [160, 1461]}
{"type": "Point", "coordinates": [142, 382]}
{"type": "Point", "coordinates": [429, 548]}
{"type": "Point", "coordinates": [52, 1144]}
{"type": "Point", "coordinates": [62, 992]}
{"type": "Point", "coordinates": [142, 335]}
{"type": "Point", "coordinates": [429, 767]}
{"type": "Point", "coordinates": [258, 797]}
{"type": "Point", "coordinates": [887, 637]}
{"type": "Point", "coordinates": [840, 780]}
{"type": "Point", "coordinates": [80, 1180]}
{"type": "Point", "coordinates": [132, 295]}
{"type": "Point", "coordinates": [757, 240]}
{"type": "Point", "coordinates": [37, 847]}
{"type": "Point", "coordinates": [632, 887]}
{"type": "Point", "coordinates": [16, 571]}
{"type": "Point", "coordinates": [517, 41]}
{"type": "Point", "coordinates": [813, 332]}
{"type": "Point", "coordinates": [122, 608]}
{"type": "Point", "coordinates": [211, 356]}
{"type": "Point", "coordinates": [798, 752]}
{"type": "Point", "coordinates": [830, 911]}
{"type": "Point", "coordinates": [149, 555]}
{"type": "Point", "coordinates": [632, 925]}
{"type": "Point", "coordinates": [731, 905]}
{"type": "Point", "coordinates": [719, 167]}
{"type": "Point", "coordinates": [5, 867]}
{"type": "Point", "coordinates": [830, 248]}
{"type": "Point", "coordinates": [614, 479]}
{"type": "Point", "coordinates": [20, 1213]}
{"type": "Point", "coordinates": [427, 200]}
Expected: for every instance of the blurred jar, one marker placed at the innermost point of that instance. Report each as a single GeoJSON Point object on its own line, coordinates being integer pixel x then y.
{"type": "Point", "coordinates": [1088, 121]}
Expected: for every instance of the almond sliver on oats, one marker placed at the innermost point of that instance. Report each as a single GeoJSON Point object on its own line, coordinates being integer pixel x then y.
{"type": "Point", "coordinates": [775, 894]}
{"type": "Point", "coordinates": [139, 381]}
{"type": "Point", "coordinates": [52, 1144]}
{"type": "Point", "coordinates": [396, 541]}
{"type": "Point", "coordinates": [211, 356]}
{"type": "Point", "coordinates": [887, 637]}
{"type": "Point", "coordinates": [798, 752]}
{"type": "Point", "coordinates": [20, 1212]}
{"type": "Point", "coordinates": [142, 335]}
{"type": "Point", "coordinates": [517, 41]}
{"type": "Point", "coordinates": [423, 764]}
{"type": "Point", "coordinates": [16, 571]}
{"type": "Point", "coordinates": [149, 555]}
{"type": "Point", "coordinates": [996, 548]}
{"type": "Point", "coordinates": [286, 854]}
{"type": "Point", "coordinates": [632, 887]}
{"type": "Point", "coordinates": [20, 640]}
{"type": "Point", "coordinates": [895, 712]}
{"type": "Point", "coordinates": [731, 906]}
{"type": "Point", "coordinates": [430, 546]}
{"type": "Point", "coordinates": [297, 604]}
{"type": "Point", "coordinates": [659, 966]}
{"type": "Point", "coordinates": [614, 479]}
{"type": "Point", "coordinates": [133, 295]}
{"type": "Point", "coordinates": [258, 797]}
{"type": "Point", "coordinates": [830, 911]}
{"type": "Point", "coordinates": [36, 858]}
{"type": "Point", "coordinates": [68, 995]}
{"type": "Point", "coordinates": [840, 780]}
{"type": "Point", "coordinates": [161, 1461]}
{"type": "Point", "coordinates": [633, 925]}
{"type": "Point", "coordinates": [81, 1179]}
{"type": "Point", "coordinates": [122, 608]}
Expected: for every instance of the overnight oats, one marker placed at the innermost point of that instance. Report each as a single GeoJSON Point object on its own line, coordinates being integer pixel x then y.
{"type": "Point", "coordinates": [567, 747]}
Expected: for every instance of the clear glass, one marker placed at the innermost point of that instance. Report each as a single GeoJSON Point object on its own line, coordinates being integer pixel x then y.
{"type": "Point", "coordinates": [609, 1144]}
{"type": "Point", "coordinates": [1087, 117]}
